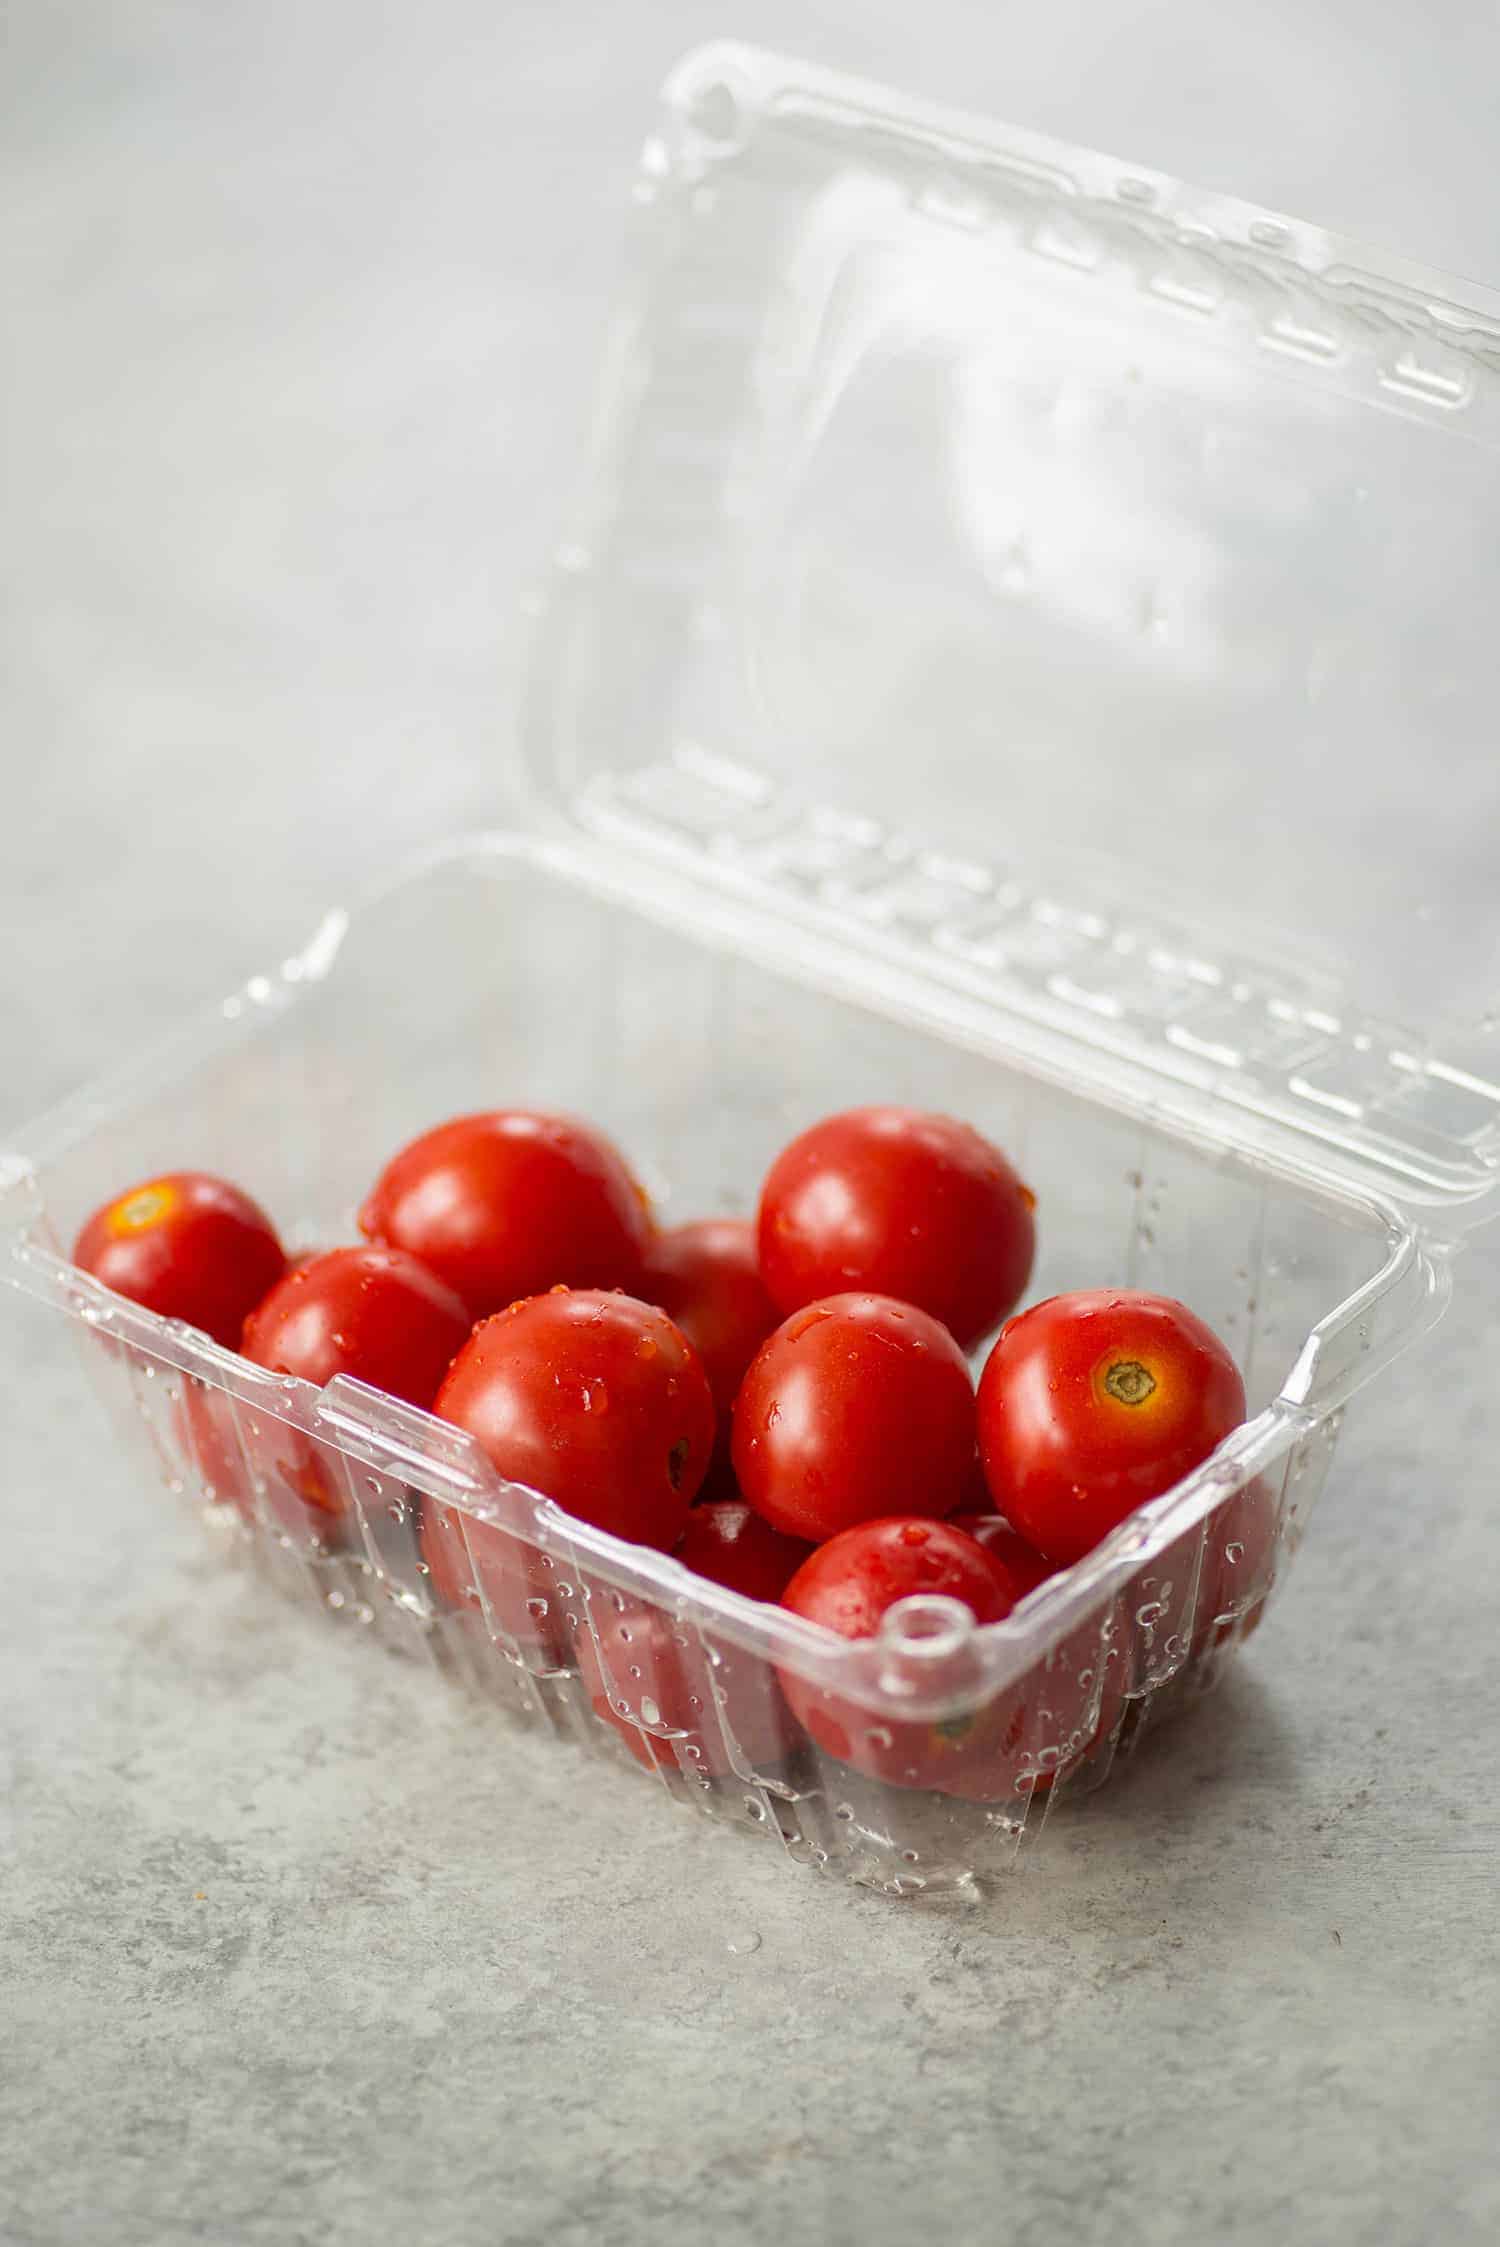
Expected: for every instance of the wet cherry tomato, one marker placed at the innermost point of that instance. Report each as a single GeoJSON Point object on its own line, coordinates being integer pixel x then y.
{"type": "Point", "coordinates": [376, 1314]}
{"type": "Point", "coordinates": [856, 1406]}
{"type": "Point", "coordinates": [730, 1545]}
{"type": "Point", "coordinates": [593, 1399]}
{"type": "Point", "coordinates": [706, 1277]}
{"type": "Point", "coordinates": [187, 1246]}
{"type": "Point", "coordinates": [1005, 1747]}
{"type": "Point", "coordinates": [204, 1424]}
{"type": "Point", "coordinates": [1074, 1698]}
{"type": "Point", "coordinates": [1021, 1565]}
{"type": "Point", "coordinates": [515, 1590]}
{"type": "Point", "coordinates": [502, 1206]}
{"type": "Point", "coordinates": [265, 1466]}
{"type": "Point", "coordinates": [1092, 1403]}
{"type": "Point", "coordinates": [847, 1586]}
{"type": "Point", "coordinates": [373, 1313]}
{"type": "Point", "coordinates": [915, 1206]}
{"type": "Point", "coordinates": [721, 1705]}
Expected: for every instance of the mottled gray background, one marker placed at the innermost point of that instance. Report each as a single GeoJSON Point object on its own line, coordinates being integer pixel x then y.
{"type": "Point", "coordinates": [302, 300]}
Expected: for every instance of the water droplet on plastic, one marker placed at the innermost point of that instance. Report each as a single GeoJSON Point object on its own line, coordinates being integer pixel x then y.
{"type": "Point", "coordinates": [742, 1943]}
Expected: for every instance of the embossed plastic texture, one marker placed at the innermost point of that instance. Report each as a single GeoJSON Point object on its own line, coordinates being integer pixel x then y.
{"type": "Point", "coordinates": [1024, 653]}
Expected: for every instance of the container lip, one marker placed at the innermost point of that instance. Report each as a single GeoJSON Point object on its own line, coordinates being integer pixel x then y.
{"type": "Point", "coordinates": [772, 78]}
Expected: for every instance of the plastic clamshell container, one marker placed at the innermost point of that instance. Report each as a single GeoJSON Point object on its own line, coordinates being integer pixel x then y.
{"type": "Point", "coordinates": [940, 468]}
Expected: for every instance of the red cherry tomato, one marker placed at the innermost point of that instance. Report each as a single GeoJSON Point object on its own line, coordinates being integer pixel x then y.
{"type": "Point", "coordinates": [706, 1277]}
{"type": "Point", "coordinates": [1092, 1403]}
{"type": "Point", "coordinates": [651, 1670]}
{"type": "Point", "coordinates": [847, 1586]}
{"type": "Point", "coordinates": [915, 1206]}
{"type": "Point", "coordinates": [732, 1546]}
{"type": "Point", "coordinates": [503, 1206]}
{"type": "Point", "coordinates": [854, 1407]}
{"type": "Point", "coordinates": [1022, 1567]}
{"type": "Point", "coordinates": [187, 1246]}
{"type": "Point", "coordinates": [204, 1424]}
{"type": "Point", "coordinates": [1008, 1746]}
{"type": "Point", "coordinates": [1075, 1697]}
{"type": "Point", "coordinates": [521, 1593]}
{"type": "Point", "coordinates": [595, 1400]}
{"type": "Point", "coordinates": [373, 1313]}
{"type": "Point", "coordinates": [261, 1465]}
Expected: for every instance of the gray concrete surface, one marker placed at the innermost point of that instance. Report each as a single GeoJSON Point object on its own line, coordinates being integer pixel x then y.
{"type": "Point", "coordinates": [302, 303]}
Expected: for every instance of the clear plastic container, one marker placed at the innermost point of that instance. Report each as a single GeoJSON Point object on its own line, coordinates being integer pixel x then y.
{"type": "Point", "coordinates": [938, 468]}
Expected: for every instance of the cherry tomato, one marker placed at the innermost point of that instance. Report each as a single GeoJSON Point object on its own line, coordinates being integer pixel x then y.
{"type": "Point", "coordinates": [478, 1568]}
{"type": "Point", "coordinates": [502, 1206]}
{"type": "Point", "coordinates": [203, 1420]}
{"type": "Point", "coordinates": [373, 1313]}
{"type": "Point", "coordinates": [856, 1406]}
{"type": "Point", "coordinates": [1009, 1746]}
{"type": "Point", "coordinates": [706, 1277]}
{"type": "Point", "coordinates": [595, 1400]}
{"type": "Point", "coordinates": [1092, 1403]}
{"type": "Point", "coordinates": [732, 1546]}
{"type": "Point", "coordinates": [904, 1204]}
{"type": "Point", "coordinates": [1021, 1565]}
{"type": "Point", "coordinates": [261, 1465]}
{"type": "Point", "coordinates": [1074, 1699]}
{"type": "Point", "coordinates": [847, 1586]}
{"type": "Point", "coordinates": [650, 1669]}
{"type": "Point", "coordinates": [187, 1246]}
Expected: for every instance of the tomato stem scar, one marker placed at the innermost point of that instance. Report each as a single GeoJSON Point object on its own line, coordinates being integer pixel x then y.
{"type": "Point", "coordinates": [1128, 1381]}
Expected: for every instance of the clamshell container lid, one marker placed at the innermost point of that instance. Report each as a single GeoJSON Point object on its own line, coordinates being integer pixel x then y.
{"type": "Point", "coordinates": [1072, 586]}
